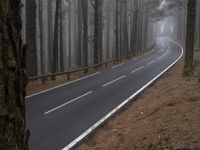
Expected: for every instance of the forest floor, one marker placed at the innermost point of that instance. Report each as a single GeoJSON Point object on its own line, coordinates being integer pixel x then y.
{"type": "Point", "coordinates": [165, 116]}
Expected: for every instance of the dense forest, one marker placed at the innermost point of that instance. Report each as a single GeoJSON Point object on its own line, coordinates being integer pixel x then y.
{"type": "Point", "coordinates": [63, 34]}
{"type": "Point", "coordinates": [39, 37]}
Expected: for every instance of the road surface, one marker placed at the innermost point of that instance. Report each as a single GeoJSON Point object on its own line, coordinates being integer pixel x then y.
{"type": "Point", "coordinates": [59, 118]}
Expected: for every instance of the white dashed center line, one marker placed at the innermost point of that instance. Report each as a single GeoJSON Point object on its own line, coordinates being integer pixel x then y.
{"type": "Point", "coordinates": [114, 81]}
{"type": "Point", "coordinates": [151, 62]}
{"type": "Point", "coordinates": [54, 109]}
{"type": "Point", "coordinates": [137, 70]}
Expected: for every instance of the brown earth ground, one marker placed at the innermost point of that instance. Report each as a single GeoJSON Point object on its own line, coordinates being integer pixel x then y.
{"type": "Point", "coordinates": [166, 116]}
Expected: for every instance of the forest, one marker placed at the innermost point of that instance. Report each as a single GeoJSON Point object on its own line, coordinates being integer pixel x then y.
{"type": "Point", "coordinates": [42, 39]}
{"type": "Point", "coordinates": [65, 34]}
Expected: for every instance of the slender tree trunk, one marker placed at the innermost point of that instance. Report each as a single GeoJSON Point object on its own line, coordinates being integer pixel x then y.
{"type": "Point", "coordinates": [55, 42]}
{"type": "Point", "coordinates": [61, 39]}
{"type": "Point", "coordinates": [50, 34]}
{"type": "Point", "coordinates": [125, 29]}
{"type": "Point", "coordinates": [189, 51]}
{"type": "Point", "coordinates": [13, 80]}
{"type": "Point", "coordinates": [108, 33]}
{"type": "Point", "coordinates": [31, 37]}
{"type": "Point", "coordinates": [69, 63]}
{"type": "Point", "coordinates": [98, 39]}
{"type": "Point", "coordinates": [80, 36]}
{"type": "Point", "coordinates": [85, 31]}
{"type": "Point", "coordinates": [134, 30]}
{"type": "Point", "coordinates": [117, 30]}
{"type": "Point", "coordinates": [41, 35]}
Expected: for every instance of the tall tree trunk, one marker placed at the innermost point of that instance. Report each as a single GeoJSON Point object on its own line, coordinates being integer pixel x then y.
{"type": "Point", "coordinates": [125, 44]}
{"type": "Point", "coordinates": [61, 39]}
{"type": "Point", "coordinates": [134, 28]}
{"type": "Point", "coordinates": [108, 30]}
{"type": "Point", "coordinates": [117, 30]}
{"type": "Point", "coordinates": [50, 34]}
{"type": "Point", "coordinates": [13, 80]}
{"type": "Point", "coordinates": [189, 51]}
{"type": "Point", "coordinates": [98, 35]}
{"type": "Point", "coordinates": [80, 36]}
{"type": "Point", "coordinates": [70, 36]}
{"type": "Point", "coordinates": [41, 35]}
{"type": "Point", "coordinates": [55, 42]}
{"type": "Point", "coordinates": [85, 31]}
{"type": "Point", "coordinates": [31, 37]}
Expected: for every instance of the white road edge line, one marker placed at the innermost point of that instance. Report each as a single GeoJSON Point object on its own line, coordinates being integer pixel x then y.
{"type": "Point", "coordinates": [151, 62]}
{"type": "Point", "coordinates": [137, 70]}
{"type": "Point", "coordinates": [62, 85]}
{"type": "Point", "coordinates": [118, 65]}
{"type": "Point", "coordinates": [54, 109]}
{"type": "Point", "coordinates": [87, 132]}
{"type": "Point", "coordinates": [113, 81]}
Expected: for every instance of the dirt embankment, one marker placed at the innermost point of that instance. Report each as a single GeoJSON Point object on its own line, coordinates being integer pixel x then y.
{"type": "Point", "coordinates": [166, 116]}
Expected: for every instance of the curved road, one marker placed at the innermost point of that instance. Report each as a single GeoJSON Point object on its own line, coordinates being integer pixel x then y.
{"type": "Point", "coordinates": [59, 118]}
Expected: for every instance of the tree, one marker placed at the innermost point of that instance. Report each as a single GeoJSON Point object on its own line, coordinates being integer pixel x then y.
{"type": "Point", "coordinates": [55, 41]}
{"type": "Point", "coordinates": [31, 37]}
{"type": "Point", "coordinates": [70, 34]}
{"type": "Point", "coordinates": [50, 34]}
{"type": "Point", "coordinates": [125, 45]}
{"type": "Point", "coordinates": [40, 12]}
{"type": "Point", "coordinates": [117, 30]}
{"type": "Point", "coordinates": [61, 38]}
{"type": "Point", "coordinates": [13, 79]}
{"type": "Point", "coordinates": [79, 34]}
{"type": "Point", "coordinates": [85, 31]}
{"type": "Point", "coordinates": [98, 29]}
{"type": "Point", "coordinates": [189, 45]}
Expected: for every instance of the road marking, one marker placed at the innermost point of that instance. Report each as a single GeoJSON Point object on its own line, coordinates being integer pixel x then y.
{"type": "Point", "coordinates": [62, 85]}
{"type": "Point", "coordinates": [137, 70]}
{"type": "Point", "coordinates": [117, 66]}
{"type": "Point", "coordinates": [54, 109]}
{"type": "Point", "coordinates": [113, 81]}
{"type": "Point", "coordinates": [151, 62]}
{"type": "Point", "coordinates": [96, 125]}
{"type": "Point", "coordinates": [158, 58]}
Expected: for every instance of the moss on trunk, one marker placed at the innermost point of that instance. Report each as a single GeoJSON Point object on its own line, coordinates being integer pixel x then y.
{"type": "Point", "coordinates": [189, 52]}
{"type": "Point", "coordinates": [13, 133]}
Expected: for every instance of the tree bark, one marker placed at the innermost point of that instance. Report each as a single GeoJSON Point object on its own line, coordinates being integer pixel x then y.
{"type": "Point", "coordinates": [85, 31]}
{"type": "Point", "coordinates": [31, 37]}
{"type": "Point", "coordinates": [80, 33]}
{"type": "Point", "coordinates": [50, 34]}
{"type": "Point", "coordinates": [98, 35]}
{"type": "Point", "coordinates": [70, 36]}
{"type": "Point", "coordinates": [13, 80]}
{"type": "Point", "coordinates": [55, 41]}
{"type": "Point", "coordinates": [61, 39]}
{"type": "Point", "coordinates": [117, 30]}
{"type": "Point", "coordinates": [41, 35]}
{"type": "Point", "coordinates": [189, 51]}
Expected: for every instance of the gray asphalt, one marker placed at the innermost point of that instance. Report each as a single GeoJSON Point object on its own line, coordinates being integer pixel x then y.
{"type": "Point", "coordinates": [57, 117]}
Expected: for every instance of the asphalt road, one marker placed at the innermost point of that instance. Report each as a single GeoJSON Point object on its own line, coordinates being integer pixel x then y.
{"type": "Point", "coordinates": [60, 117]}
